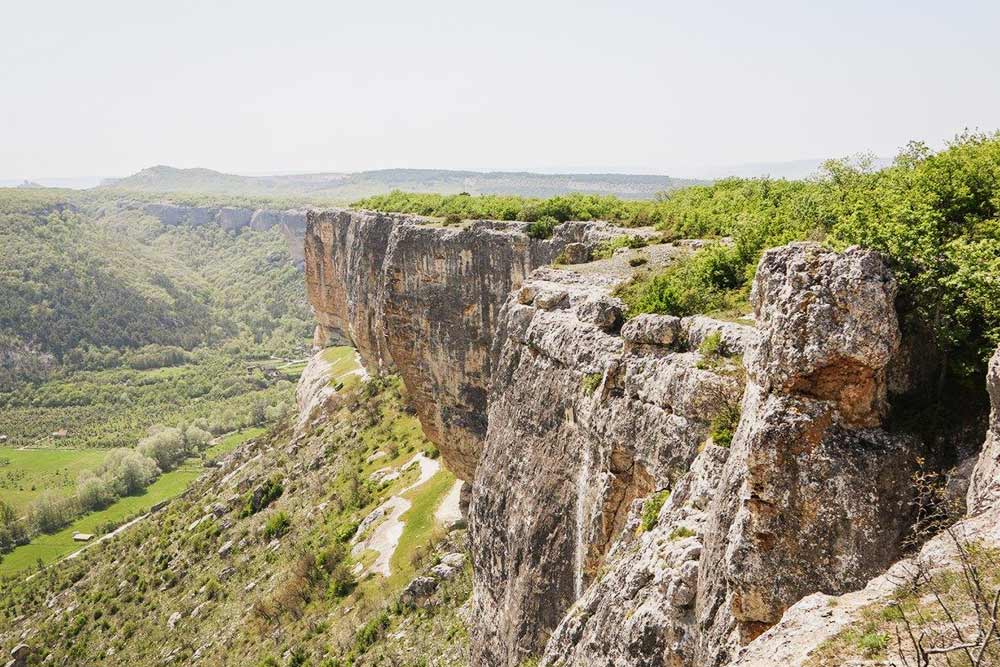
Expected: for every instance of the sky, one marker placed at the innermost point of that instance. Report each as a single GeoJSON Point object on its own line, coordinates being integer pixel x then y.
{"type": "Point", "coordinates": [107, 87]}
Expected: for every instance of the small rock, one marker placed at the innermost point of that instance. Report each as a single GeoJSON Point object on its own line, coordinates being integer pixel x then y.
{"type": "Point", "coordinates": [647, 329]}
{"type": "Point", "coordinates": [418, 590]}
{"type": "Point", "coordinates": [442, 571]}
{"type": "Point", "coordinates": [526, 295]}
{"type": "Point", "coordinates": [605, 313]}
{"type": "Point", "coordinates": [455, 559]}
{"type": "Point", "coordinates": [173, 620]}
{"type": "Point", "coordinates": [225, 549]}
{"type": "Point", "coordinates": [552, 299]}
{"type": "Point", "coordinates": [576, 253]}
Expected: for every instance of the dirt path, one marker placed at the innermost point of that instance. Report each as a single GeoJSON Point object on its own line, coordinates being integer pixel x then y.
{"type": "Point", "coordinates": [384, 538]}
{"type": "Point", "coordinates": [449, 512]}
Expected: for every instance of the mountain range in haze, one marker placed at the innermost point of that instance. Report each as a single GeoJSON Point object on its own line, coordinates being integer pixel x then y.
{"type": "Point", "coordinates": [349, 186]}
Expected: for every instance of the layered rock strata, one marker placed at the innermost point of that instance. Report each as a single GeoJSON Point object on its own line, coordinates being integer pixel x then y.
{"type": "Point", "coordinates": [583, 420]}
{"type": "Point", "coordinates": [571, 421]}
{"type": "Point", "coordinates": [422, 300]}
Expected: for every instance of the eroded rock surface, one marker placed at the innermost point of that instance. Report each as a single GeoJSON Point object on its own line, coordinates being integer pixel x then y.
{"type": "Point", "coordinates": [422, 300]}
{"type": "Point", "coordinates": [984, 487]}
{"type": "Point", "coordinates": [578, 430]}
{"type": "Point", "coordinates": [814, 496]}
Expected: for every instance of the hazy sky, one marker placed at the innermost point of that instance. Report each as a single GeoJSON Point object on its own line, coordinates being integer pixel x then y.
{"type": "Point", "coordinates": [108, 87]}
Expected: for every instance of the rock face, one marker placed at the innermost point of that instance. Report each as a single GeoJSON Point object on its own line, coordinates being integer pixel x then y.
{"type": "Point", "coordinates": [578, 430]}
{"type": "Point", "coordinates": [571, 423]}
{"type": "Point", "coordinates": [814, 496]}
{"type": "Point", "coordinates": [641, 611]}
{"type": "Point", "coordinates": [984, 488]}
{"type": "Point", "coordinates": [422, 300]}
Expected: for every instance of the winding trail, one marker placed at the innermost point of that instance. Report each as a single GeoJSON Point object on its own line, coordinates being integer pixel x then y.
{"type": "Point", "coordinates": [384, 538]}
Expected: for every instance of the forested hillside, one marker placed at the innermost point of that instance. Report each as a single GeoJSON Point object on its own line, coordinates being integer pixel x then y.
{"type": "Point", "coordinates": [86, 291]}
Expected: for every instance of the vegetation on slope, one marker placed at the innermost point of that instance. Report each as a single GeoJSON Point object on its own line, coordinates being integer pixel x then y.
{"type": "Point", "coordinates": [276, 586]}
{"type": "Point", "coordinates": [498, 207]}
{"type": "Point", "coordinates": [85, 290]}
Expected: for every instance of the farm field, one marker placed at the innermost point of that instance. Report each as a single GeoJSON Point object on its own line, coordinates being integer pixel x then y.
{"type": "Point", "coordinates": [49, 548]}
{"type": "Point", "coordinates": [26, 473]}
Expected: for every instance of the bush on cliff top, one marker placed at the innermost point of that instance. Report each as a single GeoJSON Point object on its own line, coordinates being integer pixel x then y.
{"type": "Point", "coordinates": [935, 217]}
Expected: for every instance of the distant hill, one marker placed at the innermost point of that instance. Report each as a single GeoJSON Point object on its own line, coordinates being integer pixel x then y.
{"type": "Point", "coordinates": [348, 187]}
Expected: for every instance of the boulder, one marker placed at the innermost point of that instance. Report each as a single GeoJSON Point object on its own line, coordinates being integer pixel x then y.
{"type": "Point", "coordinates": [649, 329]}
{"type": "Point", "coordinates": [576, 253]}
{"type": "Point", "coordinates": [418, 590]}
{"type": "Point", "coordinates": [605, 313]}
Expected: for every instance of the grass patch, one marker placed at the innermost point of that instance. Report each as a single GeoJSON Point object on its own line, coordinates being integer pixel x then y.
{"type": "Point", "coordinates": [228, 443]}
{"type": "Point", "coordinates": [418, 525]}
{"type": "Point", "coordinates": [680, 532]}
{"type": "Point", "coordinates": [651, 510]}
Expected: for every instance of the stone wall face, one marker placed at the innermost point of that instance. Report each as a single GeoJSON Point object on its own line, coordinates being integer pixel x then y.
{"type": "Point", "coordinates": [579, 430]}
{"type": "Point", "coordinates": [422, 300]}
{"type": "Point", "coordinates": [568, 420]}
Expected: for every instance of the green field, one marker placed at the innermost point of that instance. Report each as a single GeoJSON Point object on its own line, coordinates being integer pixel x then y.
{"type": "Point", "coordinates": [231, 441]}
{"type": "Point", "coordinates": [343, 364]}
{"type": "Point", "coordinates": [26, 473]}
{"type": "Point", "coordinates": [49, 548]}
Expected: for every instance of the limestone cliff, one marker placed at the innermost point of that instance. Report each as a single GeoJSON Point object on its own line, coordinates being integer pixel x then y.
{"type": "Point", "coordinates": [422, 300]}
{"type": "Point", "coordinates": [573, 424]}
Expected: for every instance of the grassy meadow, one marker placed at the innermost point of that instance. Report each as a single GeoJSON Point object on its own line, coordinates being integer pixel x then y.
{"type": "Point", "coordinates": [49, 548]}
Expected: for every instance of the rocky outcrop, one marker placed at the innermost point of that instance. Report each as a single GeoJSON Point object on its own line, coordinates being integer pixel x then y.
{"type": "Point", "coordinates": [563, 463]}
{"type": "Point", "coordinates": [641, 611]}
{"type": "Point", "coordinates": [814, 497]}
{"type": "Point", "coordinates": [984, 487]}
{"type": "Point", "coordinates": [571, 422]}
{"type": "Point", "coordinates": [422, 300]}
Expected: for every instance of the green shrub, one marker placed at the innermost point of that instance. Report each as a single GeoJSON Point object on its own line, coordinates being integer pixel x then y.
{"type": "Point", "coordinates": [370, 633]}
{"type": "Point", "coordinates": [590, 383]}
{"type": "Point", "coordinates": [277, 525]}
{"type": "Point", "coordinates": [255, 501]}
{"type": "Point", "coordinates": [712, 345]}
{"type": "Point", "coordinates": [651, 510]}
{"type": "Point", "coordinates": [680, 532]}
{"type": "Point", "coordinates": [873, 644]}
{"type": "Point", "coordinates": [542, 228]}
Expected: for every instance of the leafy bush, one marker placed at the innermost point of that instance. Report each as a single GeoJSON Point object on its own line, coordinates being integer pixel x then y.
{"type": "Point", "coordinates": [260, 498]}
{"type": "Point", "coordinates": [936, 218]}
{"type": "Point", "coordinates": [590, 382]}
{"type": "Point", "coordinates": [50, 512]}
{"type": "Point", "coordinates": [608, 248]}
{"type": "Point", "coordinates": [93, 493]}
{"type": "Point", "coordinates": [277, 525]}
{"type": "Point", "coordinates": [680, 532]}
{"type": "Point", "coordinates": [127, 471]}
{"type": "Point", "coordinates": [167, 446]}
{"type": "Point", "coordinates": [542, 228]}
{"type": "Point", "coordinates": [712, 345]}
{"type": "Point", "coordinates": [651, 510]}
{"type": "Point", "coordinates": [12, 531]}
